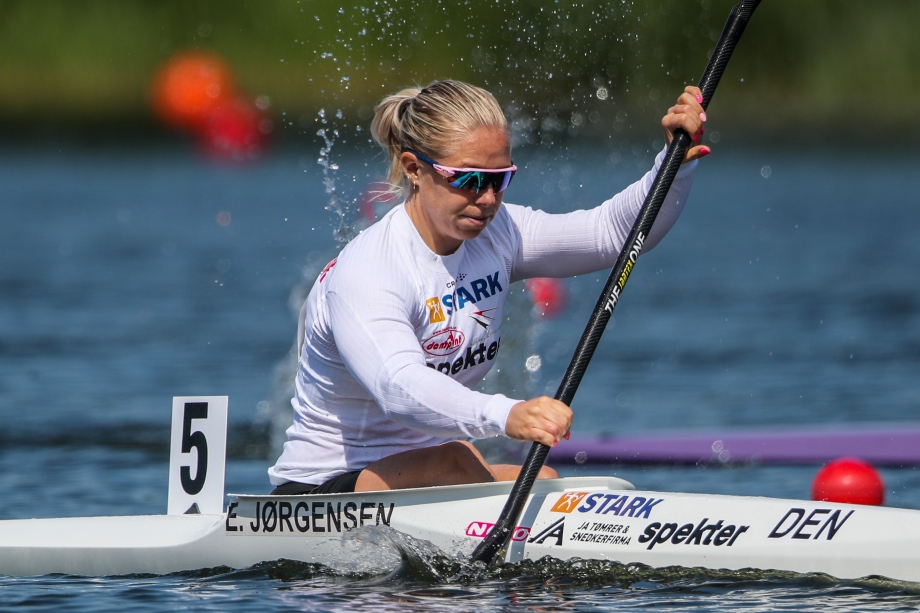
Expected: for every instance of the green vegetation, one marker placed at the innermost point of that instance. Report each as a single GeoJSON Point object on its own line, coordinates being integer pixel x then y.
{"type": "Point", "coordinates": [823, 65]}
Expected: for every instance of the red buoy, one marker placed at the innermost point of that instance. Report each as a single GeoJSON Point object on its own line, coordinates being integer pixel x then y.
{"type": "Point", "coordinates": [236, 130]}
{"type": "Point", "coordinates": [848, 480]}
{"type": "Point", "coordinates": [548, 295]}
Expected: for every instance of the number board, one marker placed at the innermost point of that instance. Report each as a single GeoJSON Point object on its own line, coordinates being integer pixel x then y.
{"type": "Point", "coordinates": [197, 455]}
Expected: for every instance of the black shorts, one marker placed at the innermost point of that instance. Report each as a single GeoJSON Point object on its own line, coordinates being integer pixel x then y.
{"type": "Point", "coordinates": [341, 484]}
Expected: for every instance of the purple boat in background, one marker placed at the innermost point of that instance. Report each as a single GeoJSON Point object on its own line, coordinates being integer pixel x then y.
{"type": "Point", "coordinates": [889, 444]}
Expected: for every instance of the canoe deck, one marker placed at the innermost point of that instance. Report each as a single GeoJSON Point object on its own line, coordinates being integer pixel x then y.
{"type": "Point", "coordinates": [577, 517]}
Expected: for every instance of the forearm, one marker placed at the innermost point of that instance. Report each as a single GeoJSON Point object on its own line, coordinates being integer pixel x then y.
{"type": "Point", "coordinates": [586, 241]}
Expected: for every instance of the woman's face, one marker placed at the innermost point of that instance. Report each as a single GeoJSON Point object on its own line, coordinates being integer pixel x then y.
{"type": "Point", "coordinates": [446, 216]}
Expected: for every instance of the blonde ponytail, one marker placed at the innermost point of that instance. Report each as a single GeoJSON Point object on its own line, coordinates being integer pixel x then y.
{"type": "Point", "coordinates": [386, 128]}
{"type": "Point", "coordinates": [431, 121]}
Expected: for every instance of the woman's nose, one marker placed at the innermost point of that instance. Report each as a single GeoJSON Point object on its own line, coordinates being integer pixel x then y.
{"type": "Point", "coordinates": [488, 197]}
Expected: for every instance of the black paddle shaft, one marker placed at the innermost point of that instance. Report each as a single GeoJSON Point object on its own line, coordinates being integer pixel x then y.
{"type": "Point", "coordinates": [499, 535]}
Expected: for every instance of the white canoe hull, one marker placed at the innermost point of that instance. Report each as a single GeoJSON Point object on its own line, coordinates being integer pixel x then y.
{"type": "Point", "coordinates": [582, 517]}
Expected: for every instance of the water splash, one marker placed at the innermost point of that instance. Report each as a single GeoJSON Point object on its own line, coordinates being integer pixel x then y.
{"type": "Point", "coordinates": [344, 229]}
{"type": "Point", "coordinates": [379, 556]}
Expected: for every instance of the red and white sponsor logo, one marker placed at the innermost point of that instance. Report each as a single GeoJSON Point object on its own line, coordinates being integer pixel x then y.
{"type": "Point", "coordinates": [443, 342]}
{"type": "Point", "coordinates": [479, 529]}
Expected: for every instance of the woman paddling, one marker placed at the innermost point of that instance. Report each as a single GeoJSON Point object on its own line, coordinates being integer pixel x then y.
{"type": "Point", "coordinates": [398, 328]}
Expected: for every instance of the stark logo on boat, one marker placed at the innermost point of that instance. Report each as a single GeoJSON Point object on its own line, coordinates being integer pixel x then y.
{"type": "Point", "coordinates": [443, 342]}
{"type": "Point", "coordinates": [620, 505]}
{"type": "Point", "coordinates": [480, 529]}
{"type": "Point", "coordinates": [568, 502]}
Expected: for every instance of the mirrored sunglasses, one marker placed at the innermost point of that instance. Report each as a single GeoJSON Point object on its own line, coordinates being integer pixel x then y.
{"type": "Point", "coordinates": [476, 180]}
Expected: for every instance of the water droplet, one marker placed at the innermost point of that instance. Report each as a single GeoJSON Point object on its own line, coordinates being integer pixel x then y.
{"type": "Point", "coordinates": [533, 363]}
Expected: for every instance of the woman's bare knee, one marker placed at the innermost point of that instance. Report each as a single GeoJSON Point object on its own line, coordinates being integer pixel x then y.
{"type": "Point", "coordinates": [452, 463]}
{"type": "Point", "coordinates": [469, 462]}
{"type": "Point", "coordinates": [510, 472]}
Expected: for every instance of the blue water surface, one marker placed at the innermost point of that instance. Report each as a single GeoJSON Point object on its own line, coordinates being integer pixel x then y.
{"type": "Point", "coordinates": [786, 295]}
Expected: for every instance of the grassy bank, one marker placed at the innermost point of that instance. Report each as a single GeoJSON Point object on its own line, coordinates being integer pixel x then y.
{"type": "Point", "coordinates": [820, 66]}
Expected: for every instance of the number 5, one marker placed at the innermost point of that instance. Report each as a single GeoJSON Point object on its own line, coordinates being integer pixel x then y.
{"type": "Point", "coordinates": [199, 426]}
{"type": "Point", "coordinates": [196, 439]}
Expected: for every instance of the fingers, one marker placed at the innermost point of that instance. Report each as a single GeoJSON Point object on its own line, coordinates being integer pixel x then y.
{"type": "Point", "coordinates": [687, 115]}
{"type": "Point", "coordinates": [694, 91]}
{"type": "Point", "coordinates": [543, 420]}
{"type": "Point", "coordinates": [695, 153]}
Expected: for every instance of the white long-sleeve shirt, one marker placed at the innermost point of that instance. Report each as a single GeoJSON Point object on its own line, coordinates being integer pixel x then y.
{"type": "Point", "coordinates": [395, 335]}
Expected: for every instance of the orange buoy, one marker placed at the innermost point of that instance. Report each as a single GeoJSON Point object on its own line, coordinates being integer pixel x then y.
{"type": "Point", "coordinates": [548, 295]}
{"type": "Point", "coordinates": [849, 480]}
{"type": "Point", "coordinates": [189, 87]}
